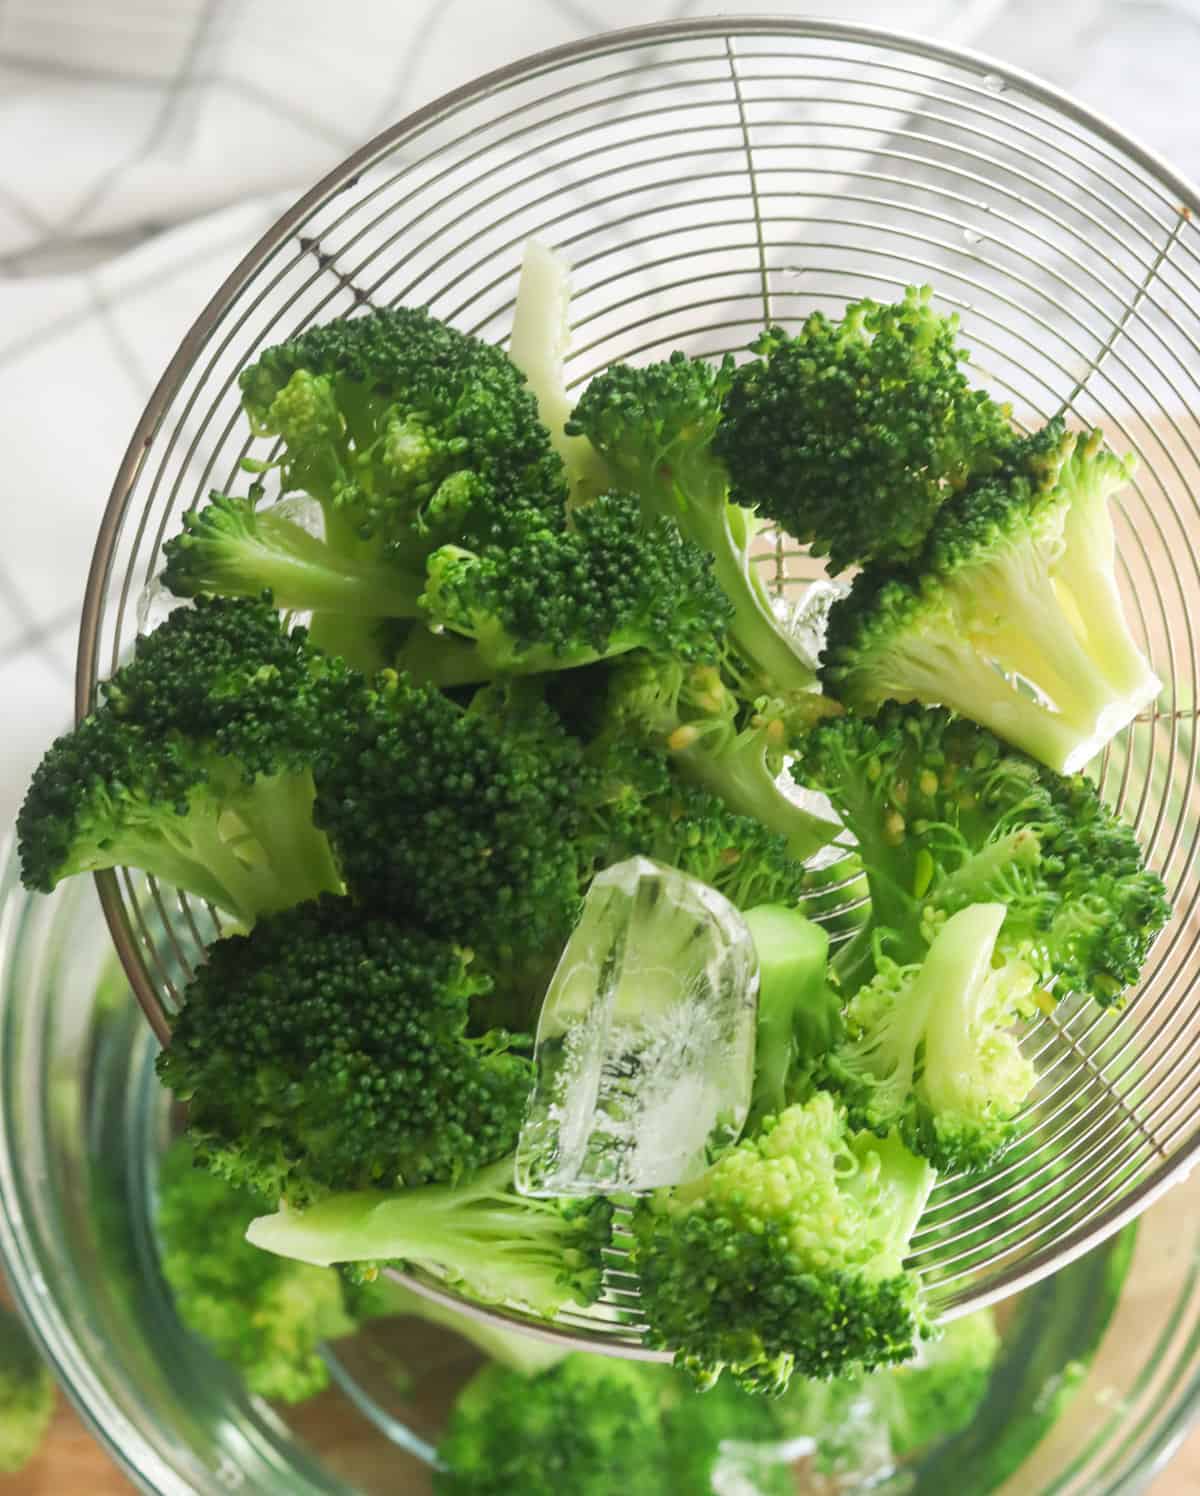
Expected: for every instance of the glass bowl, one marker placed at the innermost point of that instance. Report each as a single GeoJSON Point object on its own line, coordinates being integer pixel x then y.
{"type": "Point", "coordinates": [83, 1121]}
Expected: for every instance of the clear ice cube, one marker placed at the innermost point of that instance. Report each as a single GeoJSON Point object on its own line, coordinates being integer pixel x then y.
{"type": "Point", "coordinates": [645, 1047]}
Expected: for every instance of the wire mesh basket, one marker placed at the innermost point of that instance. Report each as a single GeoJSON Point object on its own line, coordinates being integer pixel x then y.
{"type": "Point", "coordinates": [704, 178]}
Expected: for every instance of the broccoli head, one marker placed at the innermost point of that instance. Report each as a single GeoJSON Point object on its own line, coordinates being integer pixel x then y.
{"type": "Point", "coordinates": [945, 815]}
{"type": "Point", "coordinates": [787, 1254]}
{"type": "Point", "coordinates": [478, 1235]}
{"type": "Point", "coordinates": [196, 767]}
{"type": "Point", "coordinates": [851, 435]}
{"type": "Point", "coordinates": [589, 1425]}
{"type": "Point", "coordinates": [406, 430]}
{"type": "Point", "coordinates": [461, 819]}
{"type": "Point", "coordinates": [327, 1050]}
{"type": "Point", "coordinates": [264, 1315]}
{"type": "Point", "coordinates": [1011, 614]}
{"type": "Point", "coordinates": [27, 1395]}
{"type": "Point", "coordinates": [655, 428]}
{"type": "Point", "coordinates": [563, 598]}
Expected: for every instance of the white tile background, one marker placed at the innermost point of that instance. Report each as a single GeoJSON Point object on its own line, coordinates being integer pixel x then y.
{"type": "Point", "coordinates": [145, 144]}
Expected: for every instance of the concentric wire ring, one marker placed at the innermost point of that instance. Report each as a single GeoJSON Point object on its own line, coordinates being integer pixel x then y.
{"type": "Point", "coordinates": [705, 177]}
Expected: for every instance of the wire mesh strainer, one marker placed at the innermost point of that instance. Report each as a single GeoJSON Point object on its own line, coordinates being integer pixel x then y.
{"type": "Point", "coordinates": [704, 177]}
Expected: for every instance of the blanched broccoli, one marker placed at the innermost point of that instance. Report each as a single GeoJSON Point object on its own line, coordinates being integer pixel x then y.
{"type": "Point", "coordinates": [461, 819]}
{"type": "Point", "coordinates": [328, 1051]}
{"type": "Point", "coordinates": [941, 1389]}
{"type": "Point", "coordinates": [931, 1052]}
{"type": "Point", "coordinates": [851, 435]}
{"type": "Point", "coordinates": [589, 1426]}
{"type": "Point", "coordinates": [27, 1395]}
{"type": "Point", "coordinates": [262, 1314]}
{"type": "Point", "coordinates": [565, 598]}
{"type": "Point", "coordinates": [1017, 576]}
{"type": "Point", "coordinates": [733, 748]}
{"type": "Point", "coordinates": [787, 1254]}
{"type": "Point", "coordinates": [654, 428]}
{"type": "Point", "coordinates": [478, 1234]}
{"type": "Point", "coordinates": [408, 434]}
{"type": "Point", "coordinates": [196, 767]}
{"type": "Point", "coordinates": [946, 816]}
{"type": "Point", "coordinates": [799, 1014]}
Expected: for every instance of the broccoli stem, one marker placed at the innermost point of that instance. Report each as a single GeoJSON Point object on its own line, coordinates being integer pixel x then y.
{"type": "Point", "coordinates": [989, 873]}
{"type": "Point", "coordinates": [355, 640]}
{"type": "Point", "coordinates": [1087, 574]}
{"type": "Point", "coordinates": [504, 1247]}
{"type": "Point", "coordinates": [279, 815]}
{"type": "Point", "coordinates": [440, 659]}
{"type": "Point", "coordinates": [538, 346]}
{"type": "Point", "coordinates": [741, 778]}
{"type": "Point", "coordinates": [794, 1002]}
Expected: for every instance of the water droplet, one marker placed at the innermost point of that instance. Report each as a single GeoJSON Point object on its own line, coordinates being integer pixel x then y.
{"type": "Point", "coordinates": [994, 82]}
{"type": "Point", "coordinates": [971, 237]}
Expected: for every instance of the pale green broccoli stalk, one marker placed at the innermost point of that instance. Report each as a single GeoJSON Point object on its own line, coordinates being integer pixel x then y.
{"type": "Point", "coordinates": [851, 435]}
{"type": "Point", "coordinates": [799, 1014]}
{"type": "Point", "coordinates": [538, 346]}
{"type": "Point", "coordinates": [930, 1049]}
{"type": "Point", "coordinates": [1016, 583]}
{"type": "Point", "coordinates": [479, 1236]}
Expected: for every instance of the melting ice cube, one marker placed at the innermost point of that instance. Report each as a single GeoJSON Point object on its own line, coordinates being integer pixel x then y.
{"type": "Point", "coordinates": [645, 1046]}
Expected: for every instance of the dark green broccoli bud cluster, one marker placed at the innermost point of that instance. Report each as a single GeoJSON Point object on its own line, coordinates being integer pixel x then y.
{"type": "Point", "coordinates": [403, 428]}
{"type": "Point", "coordinates": [787, 1255]}
{"type": "Point", "coordinates": [478, 1235]}
{"type": "Point", "coordinates": [328, 1051]}
{"type": "Point", "coordinates": [654, 428]}
{"type": "Point", "coordinates": [461, 819]}
{"type": "Point", "coordinates": [945, 816]}
{"type": "Point", "coordinates": [1011, 614]}
{"type": "Point", "coordinates": [196, 765]}
{"type": "Point", "coordinates": [264, 1315]}
{"type": "Point", "coordinates": [851, 435]}
{"type": "Point", "coordinates": [589, 1426]}
{"type": "Point", "coordinates": [563, 598]}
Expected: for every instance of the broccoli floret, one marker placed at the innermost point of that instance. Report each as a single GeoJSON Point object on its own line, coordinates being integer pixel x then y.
{"type": "Point", "coordinates": [568, 598]}
{"type": "Point", "coordinates": [196, 766]}
{"type": "Point", "coordinates": [409, 434]}
{"type": "Point", "coordinates": [655, 427]}
{"type": "Point", "coordinates": [799, 1014]}
{"type": "Point", "coordinates": [638, 805]}
{"type": "Point", "coordinates": [863, 1424]}
{"type": "Point", "coordinates": [402, 427]}
{"type": "Point", "coordinates": [787, 1254]}
{"type": "Point", "coordinates": [262, 1314]}
{"type": "Point", "coordinates": [27, 1395]}
{"type": "Point", "coordinates": [478, 1235]}
{"type": "Point", "coordinates": [589, 1426]}
{"type": "Point", "coordinates": [1011, 614]}
{"type": "Point", "coordinates": [232, 547]}
{"type": "Point", "coordinates": [461, 819]}
{"type": "Point", "coordinates": [707, 1435]}
{"type": "Point", "coordinates": [733, 749]}
{"type": "Point", "coordinates": [945, 815]}
{"type": "Point", "coordinates": [328, 1051]}
{"type": "Point", "coordinates": [930, 1049]}
{"type": "Point", "coordinates": [851, 435]}
{"type": "Point", "coordinates": [939, 1392]}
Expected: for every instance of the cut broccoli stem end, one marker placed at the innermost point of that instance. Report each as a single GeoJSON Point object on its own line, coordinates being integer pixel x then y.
{"type": "Point", "coordinates": [500, 1246]}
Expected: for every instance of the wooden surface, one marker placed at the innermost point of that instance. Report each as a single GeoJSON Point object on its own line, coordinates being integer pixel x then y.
{"type": "Point", "coordinates": [73, 1464]}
